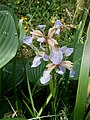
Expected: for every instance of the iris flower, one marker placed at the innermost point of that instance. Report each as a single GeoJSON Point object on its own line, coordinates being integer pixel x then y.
{"type": "Point", "coordinates": [56, 57]}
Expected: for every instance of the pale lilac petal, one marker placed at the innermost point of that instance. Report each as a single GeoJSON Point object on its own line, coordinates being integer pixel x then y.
{"type": "Point", "coordinates": [46, 77]}
{"type": "Point", "coordinates": [63, 49]}
{"type": "Point", "coordinates": [56, 56]}
{"type": "Point", "coordinates": [45, 57]}
{"type": "Point", "coordinates": [42, 26]}
{"type": "Point", "coordinates": [42, 47]}
{"type": "Point", "coordinates": [41, 40]}
{"type": "Point", "coordinates": [57, 31]}
{"type": "Point", "coordinates": [27, 40]}
{"type": "Point", "coordinates": [61, 71]}
{"type": "Point", "coordinates": [68, 51]}
{"type": "Point", "coordinates": [58, 22]}
{"type": "Point", "coordinates": [36, 61]}
{"type": "Point", "coordinates": [72, 73]}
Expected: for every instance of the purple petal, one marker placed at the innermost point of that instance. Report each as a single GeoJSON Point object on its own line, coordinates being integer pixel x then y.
{"type": "Point", "coordinates": [27, 40]}
{"type": "Point", "coordinates": [46, 77]}
{"type": "Point", "coordinates": [45, 57]}
{"type": "Point", "coordinates": [58, 22]}
{"type": "Point", "coordinates": [68, 51]}
{"type": "Point", "coordinates": [41, 40]}
{"type": "Point", "coordinates": [63, 49]}
{"type": "Point", "coordinates": [36, 61]}
{"type": "Point", "coordinates": [57, 31]}
{"type": "Point", "coordinates": [61, 71]}
{"type": "Point", "coordinates": [72, 73]}
{"type": "Point", "coordinates": [56, 56]}
{"type": "Point", "coordinates": [42, 26]}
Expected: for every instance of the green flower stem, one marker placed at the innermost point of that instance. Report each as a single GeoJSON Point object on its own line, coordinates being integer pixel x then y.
{"type": "Point", "coordinates": [45, 104]}
{"type": "Point", "coordinates": [34, 49]}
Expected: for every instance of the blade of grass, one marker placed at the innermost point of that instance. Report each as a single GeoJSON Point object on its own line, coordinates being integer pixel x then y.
{"type": "Point", "coordinates": [30, 94]}
{"type": "Point", "coordinates": [83, 81]}
{"type": "Point", "coordinates": [44, 105]}
{"type": "Point", "coordinates": [29, 108]}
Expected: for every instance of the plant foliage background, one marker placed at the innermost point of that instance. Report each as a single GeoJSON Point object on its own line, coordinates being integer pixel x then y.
{"type": "Point", "coordinates": [22, 96]}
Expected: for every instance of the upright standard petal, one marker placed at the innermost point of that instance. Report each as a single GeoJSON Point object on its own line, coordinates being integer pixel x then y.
{"type": "Point", "coordinates": [36, 61]}
{"type": "Point", "coordinates": [58, 23]}
{"type": "Point", "coordinates": [27, 40]}
{"type": "Point", "coordinates": [63, 49]}
{"type": "Point", "coordinates": [42, 26]}
{"type": "Point", "coordinates": [56, 56]}
{"type": "Point", "coordinates": [46, 77]}
{"type": "Point", "coordinates": [68, 51]}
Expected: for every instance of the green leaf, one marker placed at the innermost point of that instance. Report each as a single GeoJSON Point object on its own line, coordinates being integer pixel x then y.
{"type": "Point", "coordinates": [80, 105]}
{"type": "Point", "coordinates": [34, 74]}
{"type": "Point", "coordinates": [8, 82]}
{"type": "Point", "coordinates": [8, 38]}
{"type": "Point", "coordinates": [21, 32]}
{"type": "Point", "coordinates": [88, 116]}
{"type": "Point", "coordinates": [4, 7]}
{"type": "Point", "coordinates": [4, 109]}
{"type": "Point", "coordinates": [77, 59]}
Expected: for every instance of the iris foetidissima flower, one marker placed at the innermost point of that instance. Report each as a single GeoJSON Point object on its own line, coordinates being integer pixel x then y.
{"type": "Point", "coordinates": [55, 56]}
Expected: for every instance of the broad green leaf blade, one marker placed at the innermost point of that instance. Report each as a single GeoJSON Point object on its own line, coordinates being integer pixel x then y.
{"type": "Point", "coordinates": [4, 7]}
{"type": "Point", "coordinates": [83, 81]}
{"type": "Point", "coordinates": [8, 38]}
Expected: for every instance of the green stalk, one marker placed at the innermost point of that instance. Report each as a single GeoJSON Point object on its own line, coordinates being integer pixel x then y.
{"type": "Point", "coordinates": [80, 105]}
{"type": "Point", "coordinates": [30, 94]}
{"type": "Point", "coordinates": [14, 79]}
{"type": "Point", "coordinates": [44, 105]}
